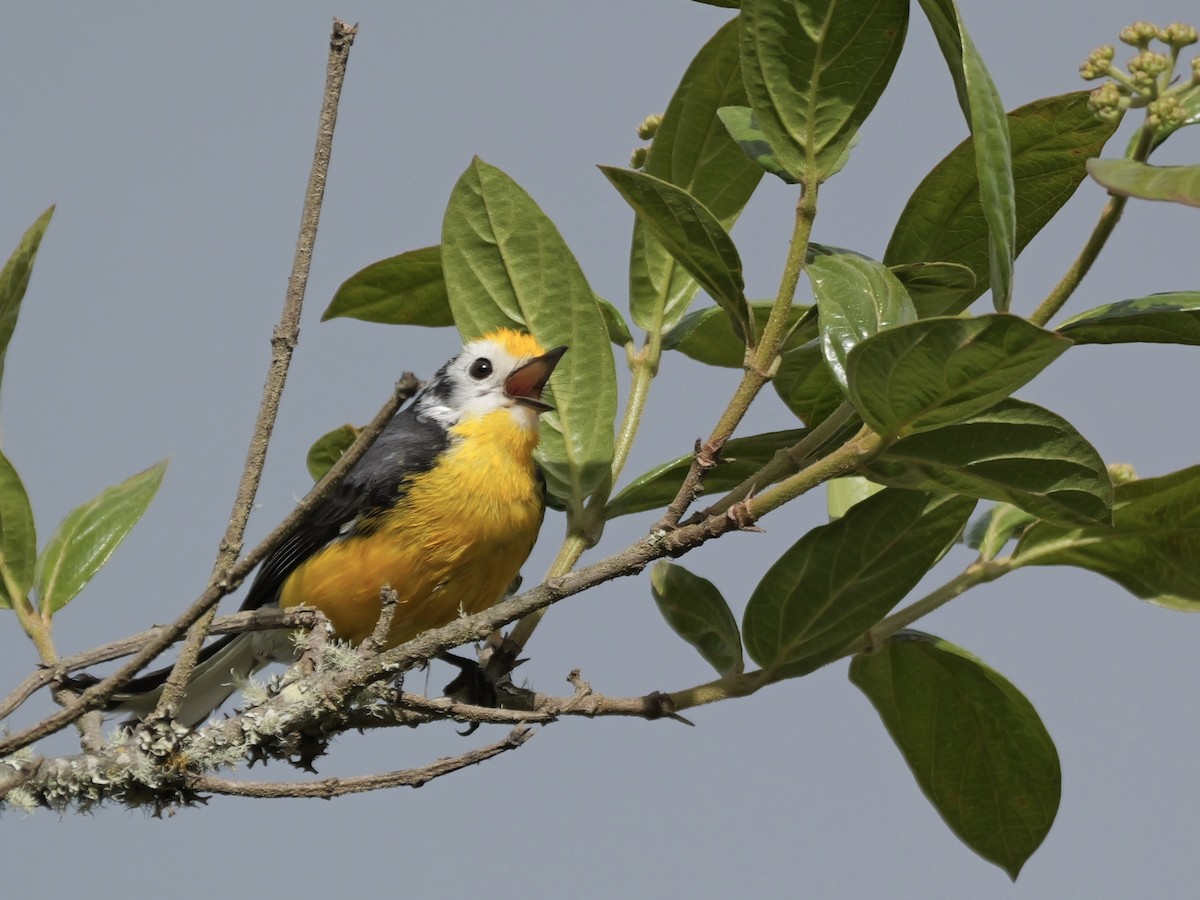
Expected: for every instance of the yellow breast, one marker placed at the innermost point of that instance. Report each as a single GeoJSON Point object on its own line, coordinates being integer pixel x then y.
{"type": "Point", "coordinates": [452, 545]}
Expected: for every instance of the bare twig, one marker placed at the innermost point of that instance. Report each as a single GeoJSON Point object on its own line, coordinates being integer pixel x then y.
{"type": "Point", "coordinates": [283, 342]}
{"type": "Point", "coordinates": [336, 787]}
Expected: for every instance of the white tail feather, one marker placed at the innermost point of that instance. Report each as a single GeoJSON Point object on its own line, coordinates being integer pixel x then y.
{"type": "Point", "coordinates": [215, 679]}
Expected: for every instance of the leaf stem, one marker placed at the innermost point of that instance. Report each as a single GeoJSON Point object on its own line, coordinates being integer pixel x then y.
{"type": "Point", "coordinates": [36, 626]}
{"type": "Point", "coordinates": [1109, 217]}
{"type": "Point", "coordinates": [979, 572]}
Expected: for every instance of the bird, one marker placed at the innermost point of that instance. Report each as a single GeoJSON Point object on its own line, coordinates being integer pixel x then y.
{"type": "Point", "coordinates": [444, 508]}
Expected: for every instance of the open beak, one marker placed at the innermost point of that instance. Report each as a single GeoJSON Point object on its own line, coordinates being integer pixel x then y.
{"type": "Point", "coordinates": [526, 382]}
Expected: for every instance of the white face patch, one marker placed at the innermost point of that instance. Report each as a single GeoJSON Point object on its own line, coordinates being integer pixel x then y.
{"type": "Point", "coordinates": [472, 385]}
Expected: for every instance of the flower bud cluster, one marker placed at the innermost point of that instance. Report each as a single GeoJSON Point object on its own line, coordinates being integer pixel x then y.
{"type": "Point", "coordinates": [1146, 80]}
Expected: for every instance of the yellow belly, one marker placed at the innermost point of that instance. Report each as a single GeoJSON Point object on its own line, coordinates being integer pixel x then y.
{"type": "Point", "coordinates": [451, 546]}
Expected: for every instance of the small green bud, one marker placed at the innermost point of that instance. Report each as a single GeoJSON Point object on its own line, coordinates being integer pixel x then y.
{"type": "Point", "coordinates": [1165, 111]}
{"type": "Point", "coordinates": [1196, 69]}
{"type": "Point", "coordinates": [1105, 102]}
{"type": "Point", "coordinates": [1145, 68]}
{"type": "Point", "coordinates": [637, 159]}
{"type": "Point", "coordinates": [649, 127]}
{"type": "Point", "coordinates": [1098, 64]}
{"type": "Point", "coordinates": [1139, 34]}
{"type": "Point", "coordinates": [1177, 35]}
{"type": "Point", "coordinates": [1121, 473]}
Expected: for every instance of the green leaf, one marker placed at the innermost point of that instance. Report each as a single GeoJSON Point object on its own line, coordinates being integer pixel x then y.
{"type": "Point", "coordinates": [14, 279]}
{"type": "Point", "coordinates": [740, 458]}
{"type": "Point", "coordinates": [1014, 452]}
{"type": "Point", "coordinates": [813, 73]}
{"type": "Point", "coordinates": [89, 534]}
{"type": "Point", "coordinates": [328, 449]}
{"type": "Point", "coordinates": [729, 4]}
{"type": "Point", "coordinates": [840, 579]}
{"type": "Point", "coordinates": [1172, 318]}
{"type": "Point", "coordinates": [1152, 548]}
{"type": "Point", "coordinates": [856, 298]}
{"type": "Point", "coordinates": [692, 150]}
{"type": "Point", "coordinates": [1051, 140]}
{"type": "Point", "coordinates": [691, 234]}
{"type": "Point", "coordinates": [995, 528]}
{"type": "Point", "coordinates": [697, 612]}
{"type": "Point", "coordinates": [843, 493]}
{"type": "Point", "coordinates": [935, 372]}
{"type": "Point", "coordinates": [706, 336]}
{"type": "Point", "coordinates": [974, 743]}
{"type": "Point", "coordinates": [506, 265]}
{"type": "Point", "coordinates": [1129, 178]}
{"type": "Point", "coordinates": [935, 288]}
{"type": "Point", "coordinates": [980, 102]}
{"type": "Point", "coordinates": [402, 290]}
{"type": "Point", "coordinates": [806, 385]}
{"type": "Point", "coordinates": [614, 322]}
{"type": "Point", "coordinates": [739, 122]}
{"type": "Point", "coordinates": [18, 538]}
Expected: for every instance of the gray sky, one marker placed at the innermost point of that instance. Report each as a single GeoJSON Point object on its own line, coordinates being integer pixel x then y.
{"type": "Point", "coordinates": [176, 141]}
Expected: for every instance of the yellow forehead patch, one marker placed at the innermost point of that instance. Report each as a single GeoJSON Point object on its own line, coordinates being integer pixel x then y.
{"type": "Point", "coordinates": [518, 343]}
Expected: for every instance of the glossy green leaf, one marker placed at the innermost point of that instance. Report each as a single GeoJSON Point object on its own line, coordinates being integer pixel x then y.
{"type": "Point", "coordinates": [18, 538]}
{"type": "Point", "coordinates": [739, 122]}
{"type": "Point", "coordinates": [805, 383]}
{"type": "Point", "coordinates": [691, 149]}
{"type": "Point", "coordinates": [992, 531]}
{"type": "Point", "coordinates": [843, 493]}
{"type": "Point", "coordinates": [935, 372]}
{"type": "Point", "coordinates": [14, 280]}
{"type": "Point", "coordinates": [1172, 318]}
{"type": "Point", "coordinates": [402, 290]}
{"type": "Point", "coordinates": [974, 743]}
{"type": "Point", "coordinates": [944, 220]}
{"type": "Point", "coordinates": [856, 298]}
{"type": "Point", "coordinates": [706, 336]}
{"type": "Point", "coordinates": [88, 535]}
{"type": "Point", "coordinates": [1014, 452]}
{"type": "Point", "coordinates": [740, 458]}
{"type": "Point", "coordinates": [980, 102]}
{"type": "Point", "coordinates": [936, 288]}
{"type": "Point", "coordinates": [697, 612]}
{"type": "Point", "coordinates": [506, 265]}
{"type": "Point", "coordinates": [328, 449]}
{"type": "Point", "coordinates": [691, 234]}
{"type": "Point", "coordinates": [1152, 548]}
{"type": "Point", "coordinates": [840, 579]}
{"type": "Point", "coordinates": [1129, 178]}
{"type": "Point", "coordinates": [813, 73]}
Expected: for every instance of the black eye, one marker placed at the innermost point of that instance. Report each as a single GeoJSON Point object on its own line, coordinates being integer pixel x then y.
{"type": "Point", "coordinates": [480, 369]}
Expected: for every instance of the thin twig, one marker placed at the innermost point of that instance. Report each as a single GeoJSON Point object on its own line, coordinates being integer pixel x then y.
{"type": "Point", "coordinates": [283, 342]}
{"type": "Point", "coordinates": [99, 694]}
{"type": "Point", "coordinates": [336, 787]}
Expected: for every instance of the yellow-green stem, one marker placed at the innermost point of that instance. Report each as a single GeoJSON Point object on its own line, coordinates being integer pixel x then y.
{"type": "Point", "coordinates": [1109, 217]}
{"type": "Point", "coordinates": [762, 364]}
{"type": "Point", "coordinates": [35, 625]}
{"type": "Point", "coordinates": [568, 554]}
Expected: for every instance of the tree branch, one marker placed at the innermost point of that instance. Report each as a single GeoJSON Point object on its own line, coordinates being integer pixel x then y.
{"type": "Point", "coordinates": [337, 787]}
{"type": "Point", "coordinates": [283, 342]}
